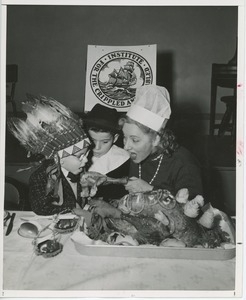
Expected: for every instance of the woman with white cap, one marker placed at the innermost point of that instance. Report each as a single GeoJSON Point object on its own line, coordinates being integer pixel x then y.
{"type": "Point", "coordinates": [157, 161]}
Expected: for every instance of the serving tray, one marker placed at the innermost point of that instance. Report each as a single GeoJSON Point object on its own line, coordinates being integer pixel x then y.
{"type": "Point", "coordinates": [151, 251]}
{"type": "Point", "coordinates": [85, 246]}
{"type": "Point", "coordinates": [156, 252]}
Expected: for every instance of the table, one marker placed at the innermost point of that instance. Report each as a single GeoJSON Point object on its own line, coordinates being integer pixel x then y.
{"type": "Point", "coordinates": [71, 271]}
{"type": "Point", "coordinates": [223, 75]}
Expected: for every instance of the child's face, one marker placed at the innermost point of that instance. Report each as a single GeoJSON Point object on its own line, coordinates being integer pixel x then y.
{"type": "Point", "coordinates": [103, 141]}
{"type": "Point", "coordinates": [75, 163]}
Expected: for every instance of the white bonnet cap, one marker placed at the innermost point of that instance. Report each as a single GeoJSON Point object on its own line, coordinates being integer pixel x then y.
{"type": "Point", "coordinates": [151, 106]}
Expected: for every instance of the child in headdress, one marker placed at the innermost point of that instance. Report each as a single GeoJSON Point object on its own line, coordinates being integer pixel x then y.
{"type": "Point", "coordinates": [107, 158]}
{"type": "Point", "coordinates": [52, 130]}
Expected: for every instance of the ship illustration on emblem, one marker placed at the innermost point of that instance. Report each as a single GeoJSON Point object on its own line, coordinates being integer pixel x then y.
{"type": "Point", "coordinates": [125, 77]}
{"type": "Point", "coordinates": [114, 79]}
{"type": "Point", "coordinates": [121, 83]}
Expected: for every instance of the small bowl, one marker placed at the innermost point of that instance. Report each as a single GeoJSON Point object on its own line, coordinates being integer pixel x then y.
{"type": "Point", "coordinates": [66, 225]}
{"type": "Point", "coordinates": [32, 230]}
{"type": "Point", "coordinates": [48, 248]}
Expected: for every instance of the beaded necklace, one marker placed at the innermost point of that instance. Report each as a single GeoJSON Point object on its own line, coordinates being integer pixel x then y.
{"type": "Point", "coordinates": [156, 172]}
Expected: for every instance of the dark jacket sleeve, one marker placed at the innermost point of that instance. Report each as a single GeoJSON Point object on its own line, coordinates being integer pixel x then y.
{"type": "Point", "coordinates": [41, 203]}
{"type": "Point", "coordinates": [189, 176]}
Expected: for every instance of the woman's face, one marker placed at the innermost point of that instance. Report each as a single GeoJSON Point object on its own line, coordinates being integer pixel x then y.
{"type": "Point", "coordinates": [75, 163]}
{"type": "Point", "coordinates": [139, 144]}
{"type": "Point", "coordinates": [102, 141]}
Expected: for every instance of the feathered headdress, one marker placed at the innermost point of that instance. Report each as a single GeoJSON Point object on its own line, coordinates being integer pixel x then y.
{"type": "Point", "coordinates": [49, 127]}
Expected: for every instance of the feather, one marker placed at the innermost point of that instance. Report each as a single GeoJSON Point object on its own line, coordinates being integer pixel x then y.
{"type": "Point", "coordinates": [208, 217]}
{"type": "Point", "coordinates": [182, 195]}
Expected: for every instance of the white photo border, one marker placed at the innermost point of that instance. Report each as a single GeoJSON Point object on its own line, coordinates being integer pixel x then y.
{"type": "Point", "coordinates": [240, 163]}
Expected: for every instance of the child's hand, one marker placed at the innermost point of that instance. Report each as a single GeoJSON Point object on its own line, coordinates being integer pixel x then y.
{"type": "Point", "coordinates": [137, 185]}
{"type": "Point", "coordinates": [104, 209]}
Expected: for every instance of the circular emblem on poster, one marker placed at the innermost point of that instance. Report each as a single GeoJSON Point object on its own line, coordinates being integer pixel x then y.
{"type": "Point", "coordinates": [116, 75]}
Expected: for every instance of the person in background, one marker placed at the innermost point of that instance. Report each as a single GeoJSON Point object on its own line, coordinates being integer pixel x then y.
{"type": "Point", "coordinates": [107, 158]}
{"type": "Point", "coordinates": [157, 161]}
{"type": "Point", "coordinates": [54, 131]}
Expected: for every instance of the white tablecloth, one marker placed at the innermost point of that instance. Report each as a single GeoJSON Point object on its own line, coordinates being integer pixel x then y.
{"type": "Point", "coordinates": [23, 270]}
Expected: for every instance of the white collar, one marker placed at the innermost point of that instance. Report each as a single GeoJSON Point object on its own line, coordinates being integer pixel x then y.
{"type": "Point", "coordinates": [64, 171]}
{"type": "Point", "coordinates": [110, 161]}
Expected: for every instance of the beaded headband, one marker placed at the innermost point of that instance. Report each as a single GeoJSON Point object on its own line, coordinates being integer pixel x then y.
{"type": "Point", "coordinates": [71, 150]}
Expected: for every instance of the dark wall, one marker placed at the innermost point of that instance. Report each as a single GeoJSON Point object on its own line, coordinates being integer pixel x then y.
{"type": "Point", "coordinates": [49, 43]}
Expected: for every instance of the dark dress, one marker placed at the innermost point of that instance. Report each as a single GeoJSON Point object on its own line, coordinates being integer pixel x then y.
{"type": "Point", "coordinates": [181, 170]}
{"type": "Point", "coordinates": [41, 203]}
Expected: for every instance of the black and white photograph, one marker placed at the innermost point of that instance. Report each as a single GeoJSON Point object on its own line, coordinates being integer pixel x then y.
{"type": "Point", "coordinates": [122, 133]}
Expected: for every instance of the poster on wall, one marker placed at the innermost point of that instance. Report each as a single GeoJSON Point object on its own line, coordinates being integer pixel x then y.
{"type": "Point", "coordinates": [114, 72]}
